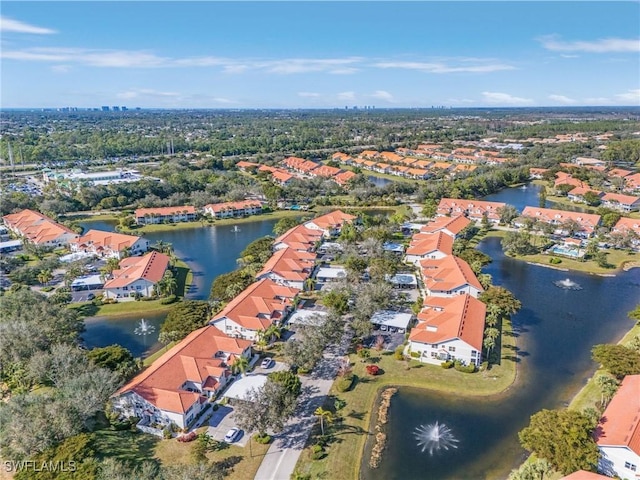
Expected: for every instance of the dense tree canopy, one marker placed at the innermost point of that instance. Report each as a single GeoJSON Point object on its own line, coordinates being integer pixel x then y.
{"type": "Point", "coordinates": [617, 359]}
{"type": "Point", "coordinates": [563, 438]}
{"type": "Point", "coordinates": [186, 316]}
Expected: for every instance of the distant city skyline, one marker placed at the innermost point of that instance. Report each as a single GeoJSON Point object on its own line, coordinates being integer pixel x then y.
{"type": "Point", "coordinates": [319, 54]}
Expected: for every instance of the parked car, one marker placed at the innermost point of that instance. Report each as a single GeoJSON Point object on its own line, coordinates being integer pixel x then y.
{"type": "Point", "coordinates": [91, 296]}
{"type": "Point", "coordinates": [232, 435]}
{"type": "Point", "coordinates": [267, 363]}
{"type": "Point", "coordinates": [383, 328]}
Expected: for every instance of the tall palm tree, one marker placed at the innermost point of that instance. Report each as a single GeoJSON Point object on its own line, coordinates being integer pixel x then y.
{"type": "Point", "coordinates": [45, 276]}
{"type": "Point", "coordinates": [273, 331]}
{"type": "Point", "coordinates": [240, 365]}
{"type": "Point", "coordinates": [323, 415]}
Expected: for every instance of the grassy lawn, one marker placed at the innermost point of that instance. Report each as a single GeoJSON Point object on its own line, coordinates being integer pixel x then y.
{"type": "Point", "coordinates": [124, 446]}
{"type": "Point", "coordinates": [344, 454]}
{"type": "Point", "coordinates": [590, 393]}
{"type": "Point", "coordinates": [395, 178]}
{"type": "Point", "coordinates": [243, 464]}
{"type": "Point", "coordinates": [184, 277]}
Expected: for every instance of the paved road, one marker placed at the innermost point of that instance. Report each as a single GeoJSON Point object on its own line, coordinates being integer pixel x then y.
{"type": "Point", "coordinates": [281, 458]}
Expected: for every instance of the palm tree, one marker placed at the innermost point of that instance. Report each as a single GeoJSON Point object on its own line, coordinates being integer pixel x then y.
{"type": "Point", "coordinates": [324, 415]}
{"type": "Point", "coordinates": [112, 264]}
{"type": "Point", "coordinates": [608, 387]}
{"type": "Point", "coordinates": [309, 284]}
{"type": "Point", "coordinates": [45, 276]}
{"type": "Point", "coordinates": [261, 339]}
{"type": "Point", "coordinates": [273, 331]}
{"type": "Point", "coordinates": [240, 365]}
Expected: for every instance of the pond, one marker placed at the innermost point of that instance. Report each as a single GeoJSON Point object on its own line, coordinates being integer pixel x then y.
{"type": "Point", "coordinates": [563, 315]}
{"type": "Point", "coordinates": [209, 251]}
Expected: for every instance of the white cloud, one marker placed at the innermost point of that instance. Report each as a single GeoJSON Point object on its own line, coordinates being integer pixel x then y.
{"type": "Point", "coordinates": [9, 25]}
{"type": "Point", "coordinates": [631, 96]}
{"type": "Point", "coordinates": [347, 96]}
{"type": "Point", "coordinates": [95, 58]}
{"type": "Point", "coordinates": [146, 92]}
{"type": "Point", "coordinates": [562, 99]}
{"type": "Point", "coordinates": [308, 94]}
{"type": "Point", "coordinates": [61, 69]}
{"type": "Point", "coordinates": [602, 45]}
{"type": "Point", "coordinates": [383, 95]}
{"type": "Point", "coordinates": [463, 66]}
{"type": "Point", "coordinates": [504, 99]}
{"type": "Point", "coordinates": [566, 55]}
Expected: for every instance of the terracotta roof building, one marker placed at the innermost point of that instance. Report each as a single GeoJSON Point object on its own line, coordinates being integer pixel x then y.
{"type": "Point", "coordinates": [257, 307]}
{"type": "Point", "coordinates": [331, 223]}
{"type": "Point", "coordinates": [449, 276]}
{"type": "Point", "coordinates": [137, 275]}
{"type": "Point", "coordinates": [38, 228]}
{"type": "Point", "coordinates": [177, 385]}
{"type": "Point", "coordinates": [473, 209]}
{"type": "Point", "coordinates": [234, 209]}
{"type": "Point", "coordinates": [587, 222]}
{"type": "Point", "coordinates": [298, 238]}
{"type": "Point", "coordinates": [109, 244]}
{"type": "Point", "coordinates": [452, 226]}
{"type": "Point", "coordinates": [618, 432]}
{"type": "Point", "coordinates": [289, 267]}
{"type": "Point", "coordinates": [148, 216]}
{"type": "Point", "coordinates": [449, 329]}
{"type": "Point", "coordinates": [429, 245]}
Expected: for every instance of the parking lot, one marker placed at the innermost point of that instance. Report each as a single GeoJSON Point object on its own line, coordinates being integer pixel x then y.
{"type": "Point", "coordinates": [391, 340]}
{"type": "Point", "coordinates": [221, 422]}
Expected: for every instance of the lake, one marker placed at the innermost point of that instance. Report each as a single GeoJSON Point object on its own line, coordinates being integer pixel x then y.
{"type": "Point", "coordinates": [379, 181]}
{"type": "Point", "coordinates": [209, 251]}
{"type": "Point", "coordinates": [556, 329]}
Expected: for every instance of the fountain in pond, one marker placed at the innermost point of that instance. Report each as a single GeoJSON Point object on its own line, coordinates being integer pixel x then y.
{"type": "Point", "coordinates": [144, 328]}
{"type": "Point", "coordinates": [434, 437]}
{"type": "Point", "coordinates": [567, 284]}
{"type": "Point", "coordinates": [235, 229]}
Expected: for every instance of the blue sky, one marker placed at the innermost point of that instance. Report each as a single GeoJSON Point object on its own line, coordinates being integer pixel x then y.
{"type": "Point", "coordinates": [319, 54]}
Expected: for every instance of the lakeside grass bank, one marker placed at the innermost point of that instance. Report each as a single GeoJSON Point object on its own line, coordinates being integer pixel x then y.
{"type": "Point", "coordinates": [620, 259]}
{"type": "Point", "coordinates": [344, 455]}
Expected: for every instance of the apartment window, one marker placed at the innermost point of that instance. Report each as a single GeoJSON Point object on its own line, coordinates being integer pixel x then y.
{"type": "Point", "coordinates": [630, 466]}
{"type": "Point", "coordinates": [434, 354]}
{"type": "Point", "coordinates": [138, 287]}
{"type": "Point", "coordinates": [452, 349]}
{"type": "Point", "coordinates": [435, 345]}
{"type": "Point", "coordinates": [473, 353]}
{"type": "Point", "coordinates": [228, 327]}
{"type": "Point", "coordinates": [125, 288]}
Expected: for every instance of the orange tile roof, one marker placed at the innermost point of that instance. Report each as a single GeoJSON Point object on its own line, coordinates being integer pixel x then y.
{"type": "Point", "coordinates": [282, 177]}
{"type": "Point", "coordinates": [244, 164]}
{"type": "Point", "coordinates": [441, 165]}
{"type": "Point", "coordinates": [422, 163]}
{"type": "Point", "coordinates": [619, 198]}
{"type": "Point", "coordinates": [101, 240]}
{"type": "Point", "coordinates": [293, 162]}
{"type": "Point", "coordinates": [307, 166]}
{"type": "Point", "coordinates": [417, 171]}
{"type": "Point", "coordinates": [473, 208]}
{"type": "Point", "coordinates": [325, 171]}
{"type": "Point", "coordinates": [626, 223]}
{"type": "Point", "coordinates": [392, 157]}
{"type": "Point", "coordinates": [192, 359]}
{"type": "Point", "coordinates": [267, 168]}
{"type": "Point", "coordinates": [618, 172]}
{"type": "Point", "coordinates": [334, 219]}
{"type": "Point", "coordinates": [150, 267]}
{"type": "Point", "coordinates": [344, 177]}
{"type": "Point", "coordinates": [188, 209]}
{"type": "Point", "coordinates": [447, 274]}
{"type": "Point", "coordinates": [219, 207]}
{"type": "Point", "coordinates": [340, 156]}
{"type": "Point", "coordinates": [632, 181]}
{"type": "Point", "coordinates": [289, 264]}
{"type": "Point", "coordinates": [454, 224]}
{"type": "Point", "coordinates": [584, 475]}
{"type": "Point", "coordinates": [465, 168]}
{"type": "Point", "coordinates": [35, 226]}
{"type": "Point", "coordinates": [424, 243]}
{"type": "Point", "coordinates": [588, 221]}
{"type": "Point", "coordinates": [448, 318]}
{"type": "Point", "coordinates": [258, 305]}
{"type": "Point", "coordinates": [579, 191]}
{"type": "Point", "coordinates": [538, 171]}
{"type": "Point", "coordinates": [369, 153]}
{"type": "Point", "coordinates": [620, 422]}
{"type": "Point", "coordinates": [299, 237]}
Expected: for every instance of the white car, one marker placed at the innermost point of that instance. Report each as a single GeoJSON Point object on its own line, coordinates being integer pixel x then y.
{"type": "Point", "coordinates": [232, 435]}
{"type": "Point", "coordinates": [267, 363]}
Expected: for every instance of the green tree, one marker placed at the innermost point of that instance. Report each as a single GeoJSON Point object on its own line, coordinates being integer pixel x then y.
{"type": "Point", "coordinates": [337, 301]}
{"type": "Point", "coordinates": [563, 438]}
{"type": "Point", "coordinates": [542, 197]}
{"type": "Point", "coordinates": [240, 365]}
{"type": "Point", "coordinates": [284, 224]}
{"type": "Point", "coordinates": [502, 298]}
{"type": "Point", "coordinates": [324, 416]}
{"type": "Point", "coordinates": [226, 286]}
{"type": "Point", "coordinates": [508, 214]}
{"type": "Point", "coordinates": [185, 317]}
{"type": "Point", "coordinates": [115, 358]}
{"type": "Point", "coordinates": [608, 387]}
{"type": "Point", "coordinates": [267, 407]}
{"type": "Point", "coordinates": [618, 360]}
{"type": "Point", "coordinates": [289, 380]}
{"type": "Point", "coordinates": [45, 276]}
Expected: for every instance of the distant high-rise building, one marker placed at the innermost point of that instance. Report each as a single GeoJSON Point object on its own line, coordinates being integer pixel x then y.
{"type": "Point", "coordinates": [105, 108]}
{"type": "Point", "coordinates": [124, 109]}
{"type": "Point", "coordinates": [115, 108]}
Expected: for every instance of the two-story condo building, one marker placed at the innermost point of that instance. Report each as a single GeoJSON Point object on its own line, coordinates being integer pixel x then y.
{"type": "Point", "coordinates": [586, 222]}
{"type": "Point", "coordinates": [257, 307]}
{"type": "Point", "coordinates": [452, 226]}
{"type": "Point", "coordinates": [137, 275]}
{"type": "Point", "coordinates": [289, 267]}
{"type": "Point", "coordinates": [39, 229]}
{"type": "Point", "coordinates": [618, 432]}
{"type": "Point", "coordinates": [448, 277]}
{"type": "Point", "coordinates": [109, 244]}
{"type": "Point", "coordinates": [429, 246]}
{"type": "Point", "coordinates": [620, 202]}
{"type": "Point", "coordinates": [178, 384]}
{"type": "Point", "coordinates": [148, 216]}
{"type": "Point", "coordinates": [473, 209]}
{"type": "Point", "coordinates": [449, 328]}
{"type": "Point", "coordinates": [299, 238]}
{"type": "Point", "coordinates": [233, 209]}
{"type": "Point", "coordinates": [331, 223]}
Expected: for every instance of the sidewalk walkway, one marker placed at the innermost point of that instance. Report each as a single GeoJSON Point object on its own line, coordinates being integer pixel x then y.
{"type": "Point", "coordinates": [281, 458]}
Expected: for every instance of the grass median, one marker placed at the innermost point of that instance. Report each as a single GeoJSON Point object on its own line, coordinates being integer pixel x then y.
{"type": "Point", "coordinates": [344, 455]}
